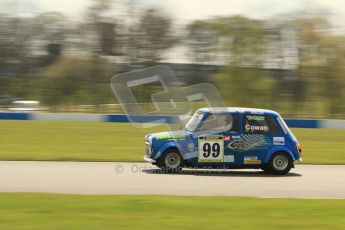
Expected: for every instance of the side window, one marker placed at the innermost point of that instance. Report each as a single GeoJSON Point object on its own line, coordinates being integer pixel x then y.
{"type": "Point", "coordinates": [272, 125]}
{"type": "Point", "coordinates": [260, 124]}
{"type": "Point", "coordinates": [219, 121]}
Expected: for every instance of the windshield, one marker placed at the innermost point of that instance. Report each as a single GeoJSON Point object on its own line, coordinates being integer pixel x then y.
{"type": "Point", "coordinates": [194, 121]}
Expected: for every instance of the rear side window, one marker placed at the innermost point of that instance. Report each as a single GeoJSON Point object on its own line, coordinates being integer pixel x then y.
{"type": "Point", "coordinates": [260, 124]}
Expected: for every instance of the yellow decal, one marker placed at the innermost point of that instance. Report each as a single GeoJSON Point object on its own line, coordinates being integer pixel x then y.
{"type": "Point", "coordinates": [252, 162]}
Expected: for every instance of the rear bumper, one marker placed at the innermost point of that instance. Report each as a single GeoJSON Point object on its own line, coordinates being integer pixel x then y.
{"type": "Point", "coordinates": [146, 158]}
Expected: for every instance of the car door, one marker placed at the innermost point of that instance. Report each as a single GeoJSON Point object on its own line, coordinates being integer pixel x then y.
{"type": "Point", "coordinates": [215, 132]}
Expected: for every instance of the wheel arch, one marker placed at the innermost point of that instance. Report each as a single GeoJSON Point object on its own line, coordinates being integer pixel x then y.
{"type": "Point", "coordinates": [167, 146]}
{"type": "Point", "coordinates": [276, 150]}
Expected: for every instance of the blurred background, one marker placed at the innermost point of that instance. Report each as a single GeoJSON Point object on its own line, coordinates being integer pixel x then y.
{"type": "Point", "coordinates": [286, 56]}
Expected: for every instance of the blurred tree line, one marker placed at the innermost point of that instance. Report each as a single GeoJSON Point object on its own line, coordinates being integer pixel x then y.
{"type": "Point", "coordinates": [59, 61]}
{"type": "Point", "coordinates": [293, 64]}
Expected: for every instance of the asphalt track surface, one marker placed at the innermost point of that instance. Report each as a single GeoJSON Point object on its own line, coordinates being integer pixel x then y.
{"type": "Point", "coordinates": [304, 181]}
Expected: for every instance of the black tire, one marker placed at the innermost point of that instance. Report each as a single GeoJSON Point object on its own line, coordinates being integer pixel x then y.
{"type": "Point", "coordinates": [171, 161]}
{"type": "Point", "coordinates": [280, 163]}
{"type": "Point", "coordinates": [265, 168]}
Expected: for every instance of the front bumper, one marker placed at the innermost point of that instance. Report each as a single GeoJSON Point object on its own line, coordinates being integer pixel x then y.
{"type": "Point", "coordinates": [148, 159]}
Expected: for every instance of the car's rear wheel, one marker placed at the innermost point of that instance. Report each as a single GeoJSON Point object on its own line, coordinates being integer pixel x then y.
{"type": "Point", "coordinates": [171, 161]}
{"type": "Point", "coordinates": [280, 163]}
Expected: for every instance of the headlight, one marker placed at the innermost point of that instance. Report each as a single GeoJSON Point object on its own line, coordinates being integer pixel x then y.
{"type": "Point", "coordinates": [299, 147]}
{"type": "Point", "coordinates": [148, 151]}
{"type": "Point", "coordinates": [147, 138]}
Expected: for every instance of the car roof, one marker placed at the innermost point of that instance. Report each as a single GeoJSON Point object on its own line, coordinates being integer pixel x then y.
{"type": "Point", "coordinates": [237, 110]}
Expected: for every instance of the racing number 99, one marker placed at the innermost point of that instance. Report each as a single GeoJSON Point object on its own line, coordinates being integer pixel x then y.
{"type": "Point", "coordinates": [209, 149]}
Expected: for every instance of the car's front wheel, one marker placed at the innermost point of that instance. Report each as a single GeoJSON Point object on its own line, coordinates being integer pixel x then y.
{"type": "Point", "coordinates": [280, 163]}
{"type": "Point", "coordinates": [171, 161]}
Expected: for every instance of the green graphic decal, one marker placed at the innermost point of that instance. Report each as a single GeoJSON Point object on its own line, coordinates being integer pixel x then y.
{"type": "Point", "coordinates": [170, 137]}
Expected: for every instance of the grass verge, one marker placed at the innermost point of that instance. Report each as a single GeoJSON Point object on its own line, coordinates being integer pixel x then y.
{"type": "Point", "coordinates": [87, 141]}
{"type": "Point", "coordinates": [47, 211]}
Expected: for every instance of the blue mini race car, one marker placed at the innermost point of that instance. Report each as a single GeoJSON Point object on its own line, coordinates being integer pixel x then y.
{"type": "Point", "coordinates": [226, 138]}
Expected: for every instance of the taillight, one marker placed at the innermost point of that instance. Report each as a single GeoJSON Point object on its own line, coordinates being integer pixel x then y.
{"type": "Point", "coordinates": [299, 147]}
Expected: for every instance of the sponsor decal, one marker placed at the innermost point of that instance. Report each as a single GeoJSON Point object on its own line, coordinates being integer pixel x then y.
{"type": "Point", "coordinates": [236, 145]}
{"type": "Point", "coordinates": [252, 128]}
{"type": "Point", "coordinates": [255, 118]}
{"type": "Point", "coordinates": [229, 158]}
{"type": "Point", "coordinates": [251, 160]}
{"type": "Point", "coordinates": [190, 147]}
{"type": "Point", "coordinates": [170, 137]}
{"type": "Point", "coordinates": [278, 141]}
{"type": "Point", "coordinates": [247, 142]}
{"type": "Point", "coordinates": [211, 149]}
{"type": "Point", "coordinates": [227, 138]}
